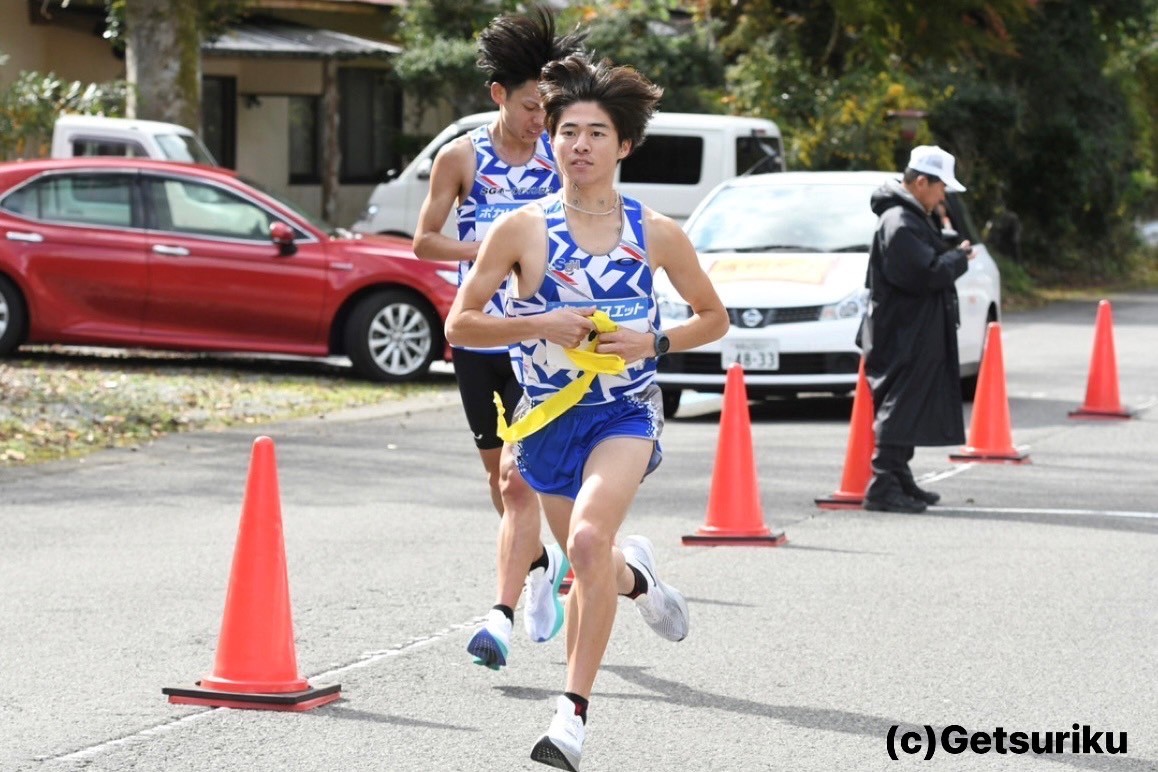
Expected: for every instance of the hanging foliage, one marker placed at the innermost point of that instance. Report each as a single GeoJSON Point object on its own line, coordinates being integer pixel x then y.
{"type": "Point", "coordinates": [30, 105]}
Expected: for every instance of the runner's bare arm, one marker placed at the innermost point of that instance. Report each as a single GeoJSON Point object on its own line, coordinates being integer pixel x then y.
{"type": "Point", "coordinates": [668, 248]}
{"type": "Point", "coordinates": [513, 241]}
{"type": "Point", "coordinates": [450, 178]}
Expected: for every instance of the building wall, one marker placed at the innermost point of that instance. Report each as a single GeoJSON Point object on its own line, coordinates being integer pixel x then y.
{"type": "Point", "coordinates": [269, 76]}
{"type": "Point", "coordinates": [70, 54]}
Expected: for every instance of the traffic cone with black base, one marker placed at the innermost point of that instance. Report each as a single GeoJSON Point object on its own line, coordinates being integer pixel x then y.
{"type": "Point", "coordinates": [859, 456]}
{"type": "Point", "coordinates": [1102, 400]}
{"type": "Point", "coordinates": [990, 436]}
{"type": "Point", "coordinates": [256, 664]}
{"type": "Point", "coordinates": [735, 516]}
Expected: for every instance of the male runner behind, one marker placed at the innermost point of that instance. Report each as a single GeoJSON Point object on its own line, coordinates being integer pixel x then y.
{"type": "Point", "coordinates": [488, 172]}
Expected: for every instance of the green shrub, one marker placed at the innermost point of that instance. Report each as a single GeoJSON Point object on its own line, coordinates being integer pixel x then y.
{"type": "Point", "coordinates": [31, 105]}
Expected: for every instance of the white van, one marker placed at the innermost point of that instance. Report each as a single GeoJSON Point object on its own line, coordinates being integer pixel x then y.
{"type": "Point", "coordinates": [75, 136]}
{"type": "Point", "coordinates": [685, 156]}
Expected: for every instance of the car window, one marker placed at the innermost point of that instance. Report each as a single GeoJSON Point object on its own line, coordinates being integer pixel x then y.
{"type": "Point", "coordinates": [206, 210]}
{"type": "Point", "coordinates": [313, 220]}
{"type": "Point", "coordinates": [22, 201]}
{"type": "Point", "coordinates": [962, 220]}
{"type": "Point", "coordinates": [652, 162]}
{"type": "Point", "coordinates": [186, 148]}
{"type": "Point", "coordinates": [756, 154]}
{"type": "Point", "coordinates": [84, 199]}
{"type": "Point", "coordinates": [804, 217]}
{"type": "Point", "coordinates": [82, 148]}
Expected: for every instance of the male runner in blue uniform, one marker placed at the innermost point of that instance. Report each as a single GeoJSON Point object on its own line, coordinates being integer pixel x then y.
{"type": "Point", "coordinates": [491, 170]}
{"type": "Point", "coordinates": [583, 250]}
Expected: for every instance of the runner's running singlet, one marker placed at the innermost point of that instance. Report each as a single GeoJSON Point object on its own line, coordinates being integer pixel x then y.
{"type": "Point", "coordinates": [619, 283]}
{"type": "Point", "coordinates": [498, 189]}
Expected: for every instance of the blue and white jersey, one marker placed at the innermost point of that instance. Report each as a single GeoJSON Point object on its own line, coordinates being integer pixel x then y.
{"type": "Point", "coordinates": [498, 189]}
{"type": "Point", "coordinates": [619, 283]}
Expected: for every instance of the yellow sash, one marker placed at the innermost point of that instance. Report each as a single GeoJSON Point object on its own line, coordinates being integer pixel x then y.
{"type": "Point", "coordinates": [567, 397]}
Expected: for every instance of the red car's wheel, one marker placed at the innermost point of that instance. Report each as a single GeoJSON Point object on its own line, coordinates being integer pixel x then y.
{"type": "Point", "coordinates": [392, 335]}
{"type": "Point", "coordinates": [13, 321]}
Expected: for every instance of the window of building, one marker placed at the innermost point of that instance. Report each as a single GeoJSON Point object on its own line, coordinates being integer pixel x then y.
{"type": "Point", "coordinates": [219, 118]}
{"type": "Point", "coordinates": [370, 123]}
{"type": "Point", "coordinates": [305, 141]}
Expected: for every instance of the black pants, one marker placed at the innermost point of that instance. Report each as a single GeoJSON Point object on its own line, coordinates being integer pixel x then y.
{"type": "Point", "coordinates": [480, 374]}
{"type": "Point", "coordinates": [891, 473]}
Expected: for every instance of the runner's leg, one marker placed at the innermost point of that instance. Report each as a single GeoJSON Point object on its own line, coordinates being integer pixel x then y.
{"type": "Point", "coordinates": [611, 479]}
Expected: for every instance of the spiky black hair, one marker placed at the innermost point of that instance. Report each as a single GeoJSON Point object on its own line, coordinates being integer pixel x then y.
{"type": "Point", "coordinates": [625, 94]}
{"type": "Point", "coordinates": [514, 48]}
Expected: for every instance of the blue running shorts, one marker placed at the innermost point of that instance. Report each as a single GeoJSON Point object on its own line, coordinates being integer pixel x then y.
{"type": "Point", "coordinates": [552, 459]}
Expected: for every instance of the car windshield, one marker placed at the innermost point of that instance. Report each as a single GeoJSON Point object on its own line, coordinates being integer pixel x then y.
{"type": "Point", "coordinates": [803, 217]}
{"type": "Point", "coordinates": [185, 148]}
{"type": "Point", "coordinates": [317, 222]}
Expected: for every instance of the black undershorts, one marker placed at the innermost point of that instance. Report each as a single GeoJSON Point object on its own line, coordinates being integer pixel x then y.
{"type": "Point", "coordinates": [479, 376]}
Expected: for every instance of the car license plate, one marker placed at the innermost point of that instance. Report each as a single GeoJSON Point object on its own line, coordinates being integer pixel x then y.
{"type": "Point", "coordinates": [751, 354]}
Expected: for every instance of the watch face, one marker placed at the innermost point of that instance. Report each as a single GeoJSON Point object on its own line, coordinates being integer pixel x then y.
{"type": "Point", "coordinates": [662, 344]}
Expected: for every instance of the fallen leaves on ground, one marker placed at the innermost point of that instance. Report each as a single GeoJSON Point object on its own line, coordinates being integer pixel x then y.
{"type": "Point", "coordinates": [55, 404]}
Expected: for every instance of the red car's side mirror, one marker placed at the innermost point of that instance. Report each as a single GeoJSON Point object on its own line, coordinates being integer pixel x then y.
{"type": "Point", "coordinates": [282, 235]}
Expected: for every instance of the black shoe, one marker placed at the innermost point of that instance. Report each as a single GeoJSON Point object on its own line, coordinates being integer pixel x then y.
{"type": "Point", "coordinates": [895, 501]}
{"type": "Point", "coordinates": [920, 494]}
{"type": "Point", "coordinates": [910, 487]}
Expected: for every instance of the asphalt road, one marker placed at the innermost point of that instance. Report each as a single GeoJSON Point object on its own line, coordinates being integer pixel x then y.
{"type": "Point", "coordinates": [1025, 602]}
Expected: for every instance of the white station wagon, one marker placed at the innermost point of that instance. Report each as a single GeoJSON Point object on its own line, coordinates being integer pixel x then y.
{"type": "Point", "coordinates": [788, 253]}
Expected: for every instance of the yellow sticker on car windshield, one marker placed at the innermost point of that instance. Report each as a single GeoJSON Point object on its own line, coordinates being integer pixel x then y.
{"type": "Point", "coordinates": [799, 269]}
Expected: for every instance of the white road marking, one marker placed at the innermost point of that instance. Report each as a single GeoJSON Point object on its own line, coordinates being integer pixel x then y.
{"type": "Point", "coordinates": [365, 660]}
{"type": "Point", "coordinates": [1050, 511]}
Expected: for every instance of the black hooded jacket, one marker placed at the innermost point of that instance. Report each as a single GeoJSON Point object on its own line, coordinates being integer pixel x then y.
{"type": "Point", "coordinates": [910, 334]}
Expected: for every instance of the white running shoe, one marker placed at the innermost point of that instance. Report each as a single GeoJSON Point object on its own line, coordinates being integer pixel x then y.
{"type": "Point", "coordinates": [663, 607]}
{"type": "Point", "coordinates": [543, 612]}
{"type": "Point", "coordinates": [492, 641]}
{"type": "Point", "coordinates": [562, 746]}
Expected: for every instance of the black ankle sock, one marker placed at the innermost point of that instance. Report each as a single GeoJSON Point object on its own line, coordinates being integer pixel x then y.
{"type": "Point", "coordinates": [580, 705]}
{"type": "Point", "coordinates": [540, 563]}
{"type": "Point", "coordinates": [508, 612]}
{"type": "Point", "coordinates": [640, 583]}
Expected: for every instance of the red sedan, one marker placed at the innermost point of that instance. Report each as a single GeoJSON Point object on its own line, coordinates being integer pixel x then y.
{"type": "Point", "coordinates": [132, 252]}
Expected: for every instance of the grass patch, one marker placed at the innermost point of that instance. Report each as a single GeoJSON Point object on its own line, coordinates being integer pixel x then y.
{"type": "Point", "coordinates": [1021, 290]}
{"type": "Point", "coordinates": [55, 404]}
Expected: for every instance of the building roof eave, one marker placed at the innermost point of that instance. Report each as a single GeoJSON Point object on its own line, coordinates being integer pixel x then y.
{"type": "Point", "coordinates": [273, 39]}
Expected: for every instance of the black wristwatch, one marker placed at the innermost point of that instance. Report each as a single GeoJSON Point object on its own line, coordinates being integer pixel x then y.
{"type": "Point", "coordinates": [662, 343]}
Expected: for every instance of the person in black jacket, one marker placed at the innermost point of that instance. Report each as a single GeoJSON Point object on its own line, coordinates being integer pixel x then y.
{"type": "Point", "coordinates": [909, 335]}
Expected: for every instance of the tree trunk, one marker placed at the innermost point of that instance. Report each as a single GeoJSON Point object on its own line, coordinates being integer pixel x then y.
{"type": "Point", "coordinates": [331, 145]}
{"type": "Point", "coordinates": [163, 61]}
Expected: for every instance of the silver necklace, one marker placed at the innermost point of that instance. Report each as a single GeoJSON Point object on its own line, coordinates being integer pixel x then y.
{"type": "Point", "coordinates": [612, 210]}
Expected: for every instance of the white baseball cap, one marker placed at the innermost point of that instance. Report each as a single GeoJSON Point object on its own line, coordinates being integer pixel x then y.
{"type": "Point", "coordinates": [930, 159]}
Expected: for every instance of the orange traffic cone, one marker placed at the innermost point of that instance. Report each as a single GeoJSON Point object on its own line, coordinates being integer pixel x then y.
{"type": "Point", "coordinates": [256, 666]}
{"type": "Point", "coordinates": [990, 437]}
{"type": "Point", "coordinates": [1102, 399]}
{"type": "Point", "coordinates": [734, 512]}
{"type": "Point", "coordinates": [859, 456]}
